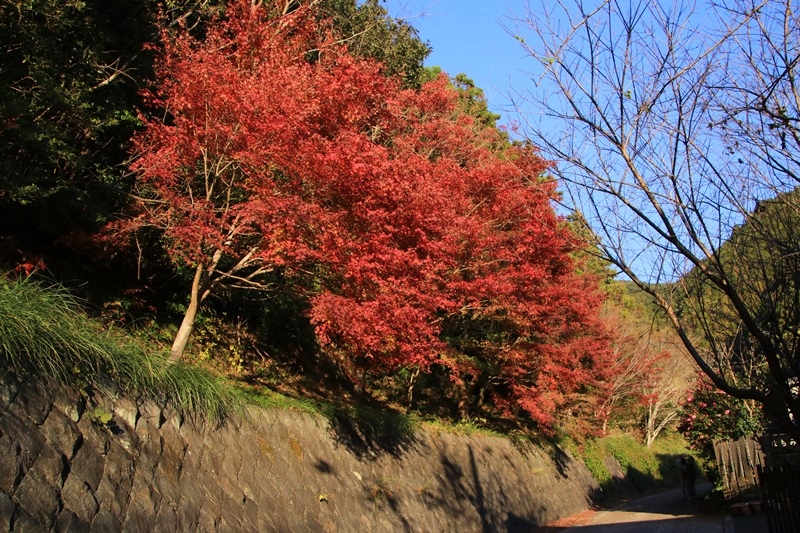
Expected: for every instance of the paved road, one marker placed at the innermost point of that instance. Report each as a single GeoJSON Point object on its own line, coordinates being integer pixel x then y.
{"type": "Point", "coordinates": [665, 512]}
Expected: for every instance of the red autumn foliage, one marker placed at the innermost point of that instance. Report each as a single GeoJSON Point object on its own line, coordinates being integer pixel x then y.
{"type": "Point", "coordinates": [279, 150]}
{"type": "Point", "coordinates": [27, 268]}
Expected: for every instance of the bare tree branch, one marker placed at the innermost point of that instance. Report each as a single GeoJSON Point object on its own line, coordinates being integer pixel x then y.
{"type": "Point", "coordinates": [669, 127]}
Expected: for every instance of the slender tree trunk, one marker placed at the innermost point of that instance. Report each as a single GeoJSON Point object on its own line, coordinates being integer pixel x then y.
{"type": "Point", "coordinates": [652, 432]}
{"type": "Point", "coordinates": [411, 382]}
{"type": "Point", "coordinates": [185, 330]}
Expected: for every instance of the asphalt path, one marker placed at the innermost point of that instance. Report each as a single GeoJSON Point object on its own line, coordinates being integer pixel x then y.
{"type": "Point", "coordinates": [666, 512]}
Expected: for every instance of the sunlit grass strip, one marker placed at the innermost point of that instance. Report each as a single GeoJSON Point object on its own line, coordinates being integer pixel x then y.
{"type": "Point", "coordinates": [268, 399]}
{"type": "Point", "coordinates": [44, 331]}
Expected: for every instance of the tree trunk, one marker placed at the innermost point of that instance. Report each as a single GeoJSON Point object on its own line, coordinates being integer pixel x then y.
{"type": "Point", "coordinates": [411, 382]}
{"type": "Point", "coordinates": [179, 345]}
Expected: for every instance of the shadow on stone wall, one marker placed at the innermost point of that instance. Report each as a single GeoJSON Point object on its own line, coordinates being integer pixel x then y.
{"type": "Point", "coordinates": [366, 432]}
{"type": "Point", "coordinates": [117, 465]}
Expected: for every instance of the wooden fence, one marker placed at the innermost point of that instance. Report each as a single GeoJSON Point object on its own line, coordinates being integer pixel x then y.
{"type": "Point", "coordinates": [771, 463]}
{"type": "Point", "coordinates": [738, 462]}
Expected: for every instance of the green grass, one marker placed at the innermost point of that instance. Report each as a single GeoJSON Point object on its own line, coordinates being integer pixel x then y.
{"type": "Point", "coordinates": [274, 400]}
{"type": "Point", "coordinates": [646, 469]}
{"type": "Point", "coordinates": [641, 464]}
{"type": "Point", "coordinates": [467, 426]}
{"type": "Point", "coordinates": [593, 454]}
{"type": "Point", "coordinates": [44, 332]}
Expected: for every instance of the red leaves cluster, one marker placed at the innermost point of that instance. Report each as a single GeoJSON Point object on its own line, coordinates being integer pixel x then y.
{"type": "Point", "coordinates": [27, 268]}
{"type": "Point", "coordinates": [278, 144]}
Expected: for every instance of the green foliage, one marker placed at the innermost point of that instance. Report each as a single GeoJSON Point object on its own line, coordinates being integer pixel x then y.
{"type": "Point", "coordinates": [430, 73]}
{"type": "Point", "coordinates": [753, 344]}
{"type": "Point", "coordinates": [639, 302]}
{"type": "Point", "coordinates": [640, 464]}
{"type": "Point", "coordinates": [100, 416]}
{"type": "Point", "coordinates": [591, 258]}
{"type": "Point", "coordinates": [709, 415]}
{"type": "Point", "coordinates": [594, 455]}
{"type": "Point", "coordinates": [44, 332]}
{"type": "Point", "coordinates": [471, 99]}
{"type": "Point", "coordinates": [671, 444]}
{"type": "Point", "coordinates": [67, 107]}
{"type": "Point", "coordinates": [369, 31]}
{"type": "Point", "coordinates": [645, 469]}
{"type": "Point", "coordinates": [473, 102]}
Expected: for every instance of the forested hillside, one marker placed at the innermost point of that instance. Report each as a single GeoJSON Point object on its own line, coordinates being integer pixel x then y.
{"type": "Point", "coordinates": [282, 194]}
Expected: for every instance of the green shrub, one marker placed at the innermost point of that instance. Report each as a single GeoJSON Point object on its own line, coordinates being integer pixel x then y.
{"type": "Point", "coordinates": [594, 453]}
{"type": "Point", "coordinates": [639, 463]}
{"type": "Point", "coordinates": [645, 468]}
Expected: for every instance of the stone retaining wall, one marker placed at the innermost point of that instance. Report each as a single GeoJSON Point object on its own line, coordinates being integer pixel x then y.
{"type": "Point", "coordinates": [63, 468]}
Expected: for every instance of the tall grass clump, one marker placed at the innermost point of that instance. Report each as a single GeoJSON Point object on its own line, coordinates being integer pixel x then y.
{"type": "Point", "coordinates": [196, 391]}
{"type": "Point", "coordinates": [44, 331]}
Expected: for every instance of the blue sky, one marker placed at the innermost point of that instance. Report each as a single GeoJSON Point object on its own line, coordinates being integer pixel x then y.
{"type": "Point", "coordinates": [467, 36]}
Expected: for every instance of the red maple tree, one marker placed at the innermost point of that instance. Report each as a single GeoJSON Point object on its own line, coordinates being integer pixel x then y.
{"type": "Point", "coordinates": [462, 225]}
{"type": "Point", "coordinates": [221, 172]}
{"type": "Point", "coordinates": [277, 149]}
